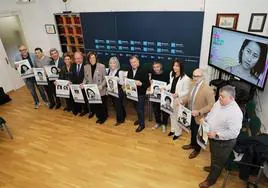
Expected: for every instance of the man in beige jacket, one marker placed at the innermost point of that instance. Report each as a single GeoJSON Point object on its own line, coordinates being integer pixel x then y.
{"type": "Point", "coordinates": [200, 100]}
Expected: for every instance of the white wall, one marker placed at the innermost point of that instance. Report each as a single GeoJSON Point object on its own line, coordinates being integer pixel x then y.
{"type": "Point", "coordinates": [34, 16]}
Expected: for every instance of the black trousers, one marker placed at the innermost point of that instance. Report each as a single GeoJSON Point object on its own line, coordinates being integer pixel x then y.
{"type": "Point", "coordinates": [80, 107]}
{"type": "Point", "coordinates": [119, 107]}
{"type": "Point", "coordinates": [161, 117]}
{"type": "Point", "coordinates": [101, 109]}
{"type": "Point", "coordinates": [220, 151]}
{"type": "Point", "coordinates": [194, 131]}
{"type": "Point", "coordinates": [51, 92]}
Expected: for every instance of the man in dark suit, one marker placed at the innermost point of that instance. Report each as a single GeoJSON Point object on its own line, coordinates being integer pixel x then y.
{"type": "Point", "coordinates": [58, 61]}
{"type": "Point", "coordinates": [77, 78]}
{"type": "Point", "coordinates": [142, 82]}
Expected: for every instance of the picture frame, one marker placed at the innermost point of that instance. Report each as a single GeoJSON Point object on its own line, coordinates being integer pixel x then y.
{"type": "Point", "coordinates": [228, 21]}
{"type": "Point", "coordinates": [257, 22]}
{"type": "Point", "coordinates": [50, 29]}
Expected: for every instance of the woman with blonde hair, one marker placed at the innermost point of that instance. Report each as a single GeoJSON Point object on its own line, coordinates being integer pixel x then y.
{"type": "Point", "coordinates": [118, 102]}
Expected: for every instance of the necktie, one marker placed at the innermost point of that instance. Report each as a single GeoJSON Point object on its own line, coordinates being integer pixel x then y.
{"type": "Point", "coordinates": [78, 69]}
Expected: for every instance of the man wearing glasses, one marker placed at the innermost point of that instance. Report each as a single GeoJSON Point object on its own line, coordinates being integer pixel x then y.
{"type": "Point", "coordinates": [200, 100]}
{"type": "Point", "coordinates": [30, 82]}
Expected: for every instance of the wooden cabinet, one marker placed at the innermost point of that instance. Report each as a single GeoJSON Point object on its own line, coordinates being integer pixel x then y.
{"type": "Point", "coordinates": [70, 32]}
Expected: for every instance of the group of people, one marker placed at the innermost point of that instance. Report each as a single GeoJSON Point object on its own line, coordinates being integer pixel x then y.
{"type": "Point", "coordinates": [224, 116]}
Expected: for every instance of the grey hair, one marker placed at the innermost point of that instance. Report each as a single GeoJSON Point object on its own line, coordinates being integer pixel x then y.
{"type": "Point", "coordinates": [229, 89]}
{"type": "Point", "coordinates": [115, 59]}
{"type": "Point", "coordinates": [53, 50]}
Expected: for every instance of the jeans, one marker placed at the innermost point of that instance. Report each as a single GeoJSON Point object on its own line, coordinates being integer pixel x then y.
{"type": "Point", "coordinates": [31, 85]}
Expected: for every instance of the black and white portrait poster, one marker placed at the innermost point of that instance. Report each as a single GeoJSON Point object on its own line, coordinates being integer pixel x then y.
{"type": "Point", "coordinates": [155, 93]}
{"type": "Point", "coordinates": [167, 102]}
{"type": "Point", "coordinates": [202, 136]}
{"type": "Point", "coordinates": [52, 72]}
{"type": "Point", "coordinates": [77, 93]}
{"type": "Point", "coordinates": [24, 68]}
{"type": "Point", "coordinates": [62, 88]}
{"type": "Point", "coordinates": [184, 118]}
{"type": "Point", "coordinates": [112, 85]}
{"type": "Point", "coordinates": [93, 93]}
{"type": "Point", "coordinates": [131, 89]}
{"type": "Point", "coordinates": [40, 76]}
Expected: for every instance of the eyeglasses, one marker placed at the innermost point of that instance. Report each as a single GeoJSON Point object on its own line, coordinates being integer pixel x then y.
{"type": "Point", "coordinates": [22, 50]}
{"type": "Point", "coordinates": [196, 76]}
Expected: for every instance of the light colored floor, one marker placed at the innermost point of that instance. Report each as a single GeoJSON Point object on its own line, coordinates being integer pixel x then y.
{"type": "Point", "coordinates": [54, 149]}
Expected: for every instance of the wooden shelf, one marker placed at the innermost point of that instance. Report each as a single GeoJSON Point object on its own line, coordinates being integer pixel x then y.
{"type": "Point", "coordinates": [70, 32]}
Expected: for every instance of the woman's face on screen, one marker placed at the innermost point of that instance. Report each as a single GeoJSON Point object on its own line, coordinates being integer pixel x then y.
{"type": "Point", "coordinates": [250, 55]}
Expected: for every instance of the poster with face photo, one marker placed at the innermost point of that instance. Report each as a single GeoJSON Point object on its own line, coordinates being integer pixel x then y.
{"type": "Point", "coordinates": [77, 93]}
{"type": "Point", "coordinates": [24, 68]}
{"type": "Point", "coordinates": [202, 135]}
{"type": "Point", "coordinates": [131, 89]}
{"type": "Point", "coordinates": [62, 88]}
{"type": "Point", "coordinates": [167, 102]}
{"type": "Point", "coordinates": [184, 118]}
{"type": "Point", "coordinates": [93, 94]}
{"type": "Point", "coordinates": [112, 85]}
{"type": "Point", "coordinates": [155, 93]}
{"type": "Point", "coordinates": [52, 72]}
{"type": "Point", "coordinates": [40, 76]}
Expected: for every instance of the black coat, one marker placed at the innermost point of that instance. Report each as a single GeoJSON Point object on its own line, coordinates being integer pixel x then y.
{"type": "Point", "coordinates": [77, 79]}
{"type": "Point", "coordinates": [142, 76]}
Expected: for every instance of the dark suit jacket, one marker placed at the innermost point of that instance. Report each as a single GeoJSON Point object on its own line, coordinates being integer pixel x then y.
{"type": "Point", "coordinates": [60, 63]}
{"type": "Point", "coordinates": [142, 76]}
{"type": "Point", "coordinates": [77, 79]}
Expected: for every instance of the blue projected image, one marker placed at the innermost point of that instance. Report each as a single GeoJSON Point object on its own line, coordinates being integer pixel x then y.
{"type": "Point", "coordinates": [145, 43]}
{"type": "Point", "coordinates": [159, 50]}
{"type": "Point", "coordinates": [159, 44]}
{"type": "Point", "coordinates": [132, 48]}
{"type": "Point", "coordinates": [173, 45]}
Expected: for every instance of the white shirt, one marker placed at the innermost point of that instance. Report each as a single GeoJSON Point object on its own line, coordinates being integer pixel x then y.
{"type": "Point", "coordinates": [57, 62]}
{"type": "Point", "coordinates": [225, 120]}
{"type": "Point", "coordinates": [120, 75]}
{"type": "Point", "coordinates": [134, 72]}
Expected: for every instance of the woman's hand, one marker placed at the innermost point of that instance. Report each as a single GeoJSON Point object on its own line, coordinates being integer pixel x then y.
{"type": "Point", "coordinates": [138, 83]}
{"type": "Point", "coordinates": [82, 86]}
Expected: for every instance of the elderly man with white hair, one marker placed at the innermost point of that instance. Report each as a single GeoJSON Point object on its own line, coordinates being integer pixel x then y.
{"type": "Point", "coordinates": [225, 122]}
{"type": "Point", "coordinates": [200, 100]}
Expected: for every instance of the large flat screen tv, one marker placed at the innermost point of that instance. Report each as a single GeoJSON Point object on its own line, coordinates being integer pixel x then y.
{"type": "Point", "coordinates": [240, 54]}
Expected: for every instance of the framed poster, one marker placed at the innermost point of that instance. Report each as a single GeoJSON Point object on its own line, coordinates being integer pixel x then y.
{"type": "Point", "coordinates": [50, 29]}
{"type": "Point", "coordinates": [52, 72]}
{"type": "Point", "coordinates": [155, 93]}
{"type": "Point", "coordinates": [257, 22]}
{"type": "Point", "coordinates": [227, 21]}
{"type": "Point", "coordinates": [167, 102]}
{"type": "Point", "coordinates": [62, 88]}
{"type": "Point", "coordinates": [93, 93]}
{"type": "Point", "coordinates": [131, 89]}
{"type": "Point", "coordinates": [184, 118]}
{"type": "Point", "coordinates": [77, 93]}
{"type": "Point", "coordinates": [40, 76]}
{"type": "Point", "coordinates": [112, 85]}
{"type": "Point", "coordinates": [24, 68]}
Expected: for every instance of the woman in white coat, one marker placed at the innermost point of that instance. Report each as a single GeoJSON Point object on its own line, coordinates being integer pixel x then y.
{"type": "Point", "coordinates": [179, 84]}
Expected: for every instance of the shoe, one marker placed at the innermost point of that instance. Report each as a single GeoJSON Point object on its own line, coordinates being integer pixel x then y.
{"type": "Point", "coordinates": [119, 123]}
{"type": "Point", "coordinates": [156, 126]}
{"type": "Point", "coordinates": [75, 113]}
{"type": "Point", "coordinates": [164, 128]}
{"type": "Point", "coordinates": [140, 128]}
{"type": "Point", "coordinates": [102, 121]}
{"type": "Point", "coordinates": [82, 114]}
{"type": "Point", "coordinates": [58, 106]}
{"type": "Point", "coordinates": [36, 106]}
{"type": "Point", "coordinates": [90, 115]}
{"type": "Point", "coordinates": [205, 184]}
{"type": "Point", "coordinates": [65, 109]}
{"type": "Point", "coordinates": [136, 122]}
{"type": "Point", "coordinates": [98, 121]}
{"type": "Point", "coordinates": [170, 133]}
{"type": "Point", "coordinates": [187, 147]}
{"type": "Point", "coordinates": [194, 154]}
{"type": "Point", "coordinates": [206, 168]}
{"type": "Point", "coordinates": [175, 137]}
{"type": "Point", "coordinates": [51, 106]}
{"type": "Point", "coordinates": [47, 104]}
